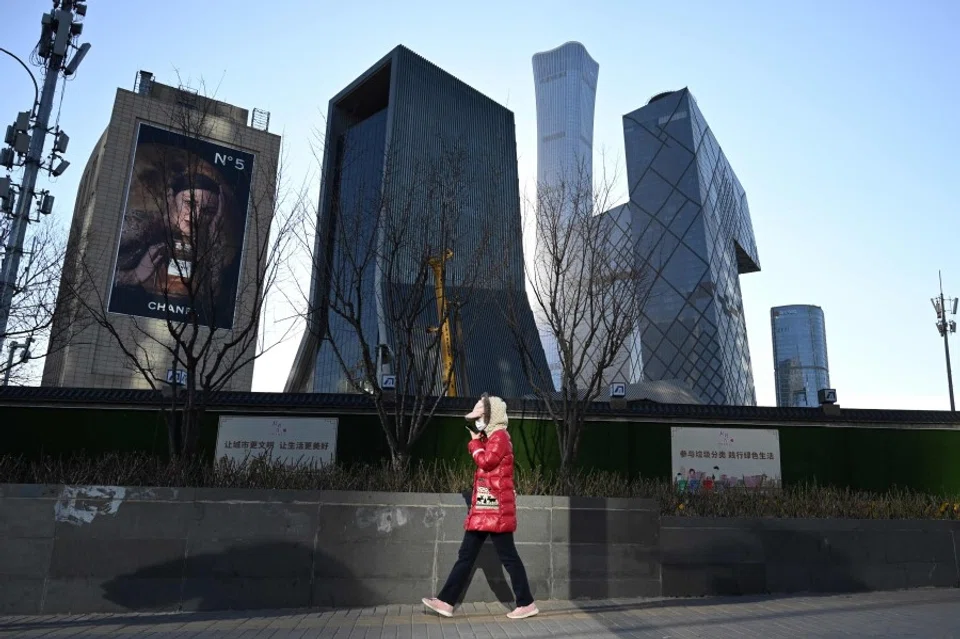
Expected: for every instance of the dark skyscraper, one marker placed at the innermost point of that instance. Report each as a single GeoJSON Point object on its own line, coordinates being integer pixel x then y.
{"type": "Point", "coordinates": [799, 354]}
{"type": "Point", "coordinates": [693, 230]}
{"type": "Point", "coordinates": [390, 135]}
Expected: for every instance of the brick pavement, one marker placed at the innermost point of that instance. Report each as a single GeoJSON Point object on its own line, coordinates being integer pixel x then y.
{"type": "Point", "coordinates": [916, 613]}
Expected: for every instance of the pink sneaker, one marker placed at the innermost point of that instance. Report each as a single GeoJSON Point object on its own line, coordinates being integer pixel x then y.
{"type": "Point", "coordinates": [523, 612]}
{"type": "Point", "coordinates": [442, 608]}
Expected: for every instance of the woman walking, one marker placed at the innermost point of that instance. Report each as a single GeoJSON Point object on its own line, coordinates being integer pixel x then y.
{"type": "Point", "coordinates": [493, 511]}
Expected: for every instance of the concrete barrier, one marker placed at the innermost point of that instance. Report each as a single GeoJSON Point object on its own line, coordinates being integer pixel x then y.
{"type": "Point", "coordinates": [78, 549]}
{"type": "Point", "coordinates": [752, 556]}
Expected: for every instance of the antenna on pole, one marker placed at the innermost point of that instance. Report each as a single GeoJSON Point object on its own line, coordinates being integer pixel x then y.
{"type": "Point", "coordinates": [60, 29]}
{"type": "Point", "coordinates": [945, 306]}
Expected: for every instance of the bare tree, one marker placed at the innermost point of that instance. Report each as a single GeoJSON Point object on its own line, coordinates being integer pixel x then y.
{"type": "Point", "coordinates": [402, 253]}
{"type": "Point", "coordinates": [31, 312]}
{"type": "Point", "coordinates": [201, 250]}
{"type": "Point", "coordinates": [587, 292]}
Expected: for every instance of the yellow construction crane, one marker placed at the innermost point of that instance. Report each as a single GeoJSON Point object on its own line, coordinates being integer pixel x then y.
{"type": "Point", "coordinates": [446, 337]}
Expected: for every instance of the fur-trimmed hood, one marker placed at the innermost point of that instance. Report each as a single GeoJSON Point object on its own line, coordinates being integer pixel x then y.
{"type": "Point", "coordinates": [498, 415]}
{"type": "Point", "coordinates": [493, 411]}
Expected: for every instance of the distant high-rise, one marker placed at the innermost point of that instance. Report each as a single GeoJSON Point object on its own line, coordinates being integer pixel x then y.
{"type": "Point", "coordinates": [565, 82]}
{"type": "Point", "coordinates": [390, 134]}
{"type": "Point", "coordinates": [694, 237]}
{"type": "Point", "coordinates": [799, 354]}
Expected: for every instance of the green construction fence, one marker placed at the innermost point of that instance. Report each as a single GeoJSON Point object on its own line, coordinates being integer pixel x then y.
{"type": "Point", "coordinates": [859, 458]}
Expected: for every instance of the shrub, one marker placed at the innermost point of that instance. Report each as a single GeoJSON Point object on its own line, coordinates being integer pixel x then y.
{"type": "Point", "coordinates": [810, 500]}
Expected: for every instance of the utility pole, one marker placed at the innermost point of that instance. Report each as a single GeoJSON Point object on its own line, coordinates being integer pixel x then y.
{"type": "Point", "coordinates": [60, 29]}
{"type": "Point", "coordinates": [946, 327]}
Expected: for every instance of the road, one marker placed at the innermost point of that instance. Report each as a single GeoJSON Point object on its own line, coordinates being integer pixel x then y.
{"type": "Point", "coordinates": [916, 613]}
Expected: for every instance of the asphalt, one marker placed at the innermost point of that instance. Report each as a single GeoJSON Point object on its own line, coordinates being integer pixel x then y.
{"type": "Point", "coordinates": [914, 613]}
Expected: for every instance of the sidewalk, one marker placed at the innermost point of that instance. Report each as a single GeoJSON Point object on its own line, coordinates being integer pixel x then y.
{"type": "Point", "coordinates": [916, 613]}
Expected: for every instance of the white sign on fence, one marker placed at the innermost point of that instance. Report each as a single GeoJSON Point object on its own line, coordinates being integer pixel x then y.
{"type": "Point", "coordinates": [708, 458]}
{"type": "Point", "coordinates": [292, 440]}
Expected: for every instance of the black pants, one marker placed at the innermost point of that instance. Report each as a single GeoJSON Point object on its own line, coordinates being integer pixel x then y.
{"type": "Point", "coordinates": [469, 550]}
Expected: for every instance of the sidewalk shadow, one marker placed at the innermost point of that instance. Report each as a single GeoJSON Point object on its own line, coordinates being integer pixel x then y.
{"type": "Point", "coordinates": [703, 567]}
{"type": "Point", "coordinates": [605, 562]}
{"type": "Point", "coordinates": [741, 610]}
{"type": "Point", "coordinates": [273, 575]}
{"type": "Point", "coordinates": [274, 579]}
{"type": "Point", "coordinates": [589, 550]}
{"type": "Point", "coordinates": [755, 560]}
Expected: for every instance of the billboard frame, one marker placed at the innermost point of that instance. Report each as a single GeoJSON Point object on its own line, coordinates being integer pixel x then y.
{"type": "Point", "coordinates": [231, 151]}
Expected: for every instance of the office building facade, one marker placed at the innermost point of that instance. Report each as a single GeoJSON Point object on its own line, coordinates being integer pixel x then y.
{"type": "Point", "coordinates": [801, 368]}
{"type": "Point", "coordinates": [565, 83]}
{"type": "Point", "coordinates": [410, 145]}
{"type": "Point", "coordinates": [166, 225]}
{"type": "Point", "coordinates": [627, 365]}
{"type": "Point", "coordinates": [694, 239]}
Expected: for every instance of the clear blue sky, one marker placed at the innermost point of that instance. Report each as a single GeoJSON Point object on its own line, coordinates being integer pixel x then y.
{"type": "Point", "coordinates": [840, 119]}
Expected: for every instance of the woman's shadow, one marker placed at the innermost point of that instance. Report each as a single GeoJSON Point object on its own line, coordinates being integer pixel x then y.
{"type": "Point", "coordinates": [489, 563]}
{"type": "Point", "coordinates": [265, 575]}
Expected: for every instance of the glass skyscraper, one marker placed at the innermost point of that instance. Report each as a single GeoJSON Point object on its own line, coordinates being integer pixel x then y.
{"type": "Point", "coordinates": [434, 161]}
{"type": "Point", "coordinates": [799, 354]}
{"type": "Point", "coordinates": [565, 83]}
{"type": "Point", "coordinates": [694, 237]}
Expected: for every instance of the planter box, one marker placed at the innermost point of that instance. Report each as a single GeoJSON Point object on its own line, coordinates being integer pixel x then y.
{"type": "Point", "coordinates": [703, 556]}
{"type": "Point", "coordinates": [107, 549]}
{"type": "Point", "coordinates": [84, 549]}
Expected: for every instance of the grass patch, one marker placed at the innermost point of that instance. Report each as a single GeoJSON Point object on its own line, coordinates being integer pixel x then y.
{"type": "Point", "coordinates": [807, 501]}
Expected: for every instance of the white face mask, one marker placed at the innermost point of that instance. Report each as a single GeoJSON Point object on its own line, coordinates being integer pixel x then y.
{"type": "Point", "coordinates": [481, 426]}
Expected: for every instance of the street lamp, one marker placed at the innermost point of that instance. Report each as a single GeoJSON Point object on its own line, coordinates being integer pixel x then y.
{"type": "Point", "coordinates": [24, 357]}
{"type": "Point", "coordinates": [944, 306]}
{"type": "Point", "coordinates": [36, 87]}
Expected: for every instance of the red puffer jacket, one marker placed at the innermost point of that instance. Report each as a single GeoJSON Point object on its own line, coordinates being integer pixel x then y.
{"type": "Point", "coordinates": [494, 504]}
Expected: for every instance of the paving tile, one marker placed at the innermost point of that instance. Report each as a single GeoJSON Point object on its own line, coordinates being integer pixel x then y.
{"type": "Point", "coordinates": [926, 612]}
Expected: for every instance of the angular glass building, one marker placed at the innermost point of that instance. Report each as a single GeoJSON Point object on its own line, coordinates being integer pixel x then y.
{"type": "Point", "coordinates": [415, 159]}
{"type": "Point", "coordinates": [565, 83]}
{"type": "Point", "coordinates": [694, 236]}
{"type": "Point", "coordinates": [799, 354]}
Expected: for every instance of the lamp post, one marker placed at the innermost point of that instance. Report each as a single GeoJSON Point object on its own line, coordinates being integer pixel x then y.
{"type": "Point", "coordinates": [36, 87]}
{"type": "Point", "coordinates": [24, 357]}
{"type": "Point", "coordinates": [944, 306]}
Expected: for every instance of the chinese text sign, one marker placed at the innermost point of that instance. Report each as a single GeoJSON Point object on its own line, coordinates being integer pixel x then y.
{"type": "Point", "coordinates": [292, 440]}
{"type": "Point", "coordinates": [707, 458]}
